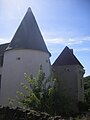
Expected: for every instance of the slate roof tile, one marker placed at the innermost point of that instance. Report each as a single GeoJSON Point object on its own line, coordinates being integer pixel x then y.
{"type": "Point", "coordinates": [67, 58]}
{"type": "Point", "coordinates": [28, 35]}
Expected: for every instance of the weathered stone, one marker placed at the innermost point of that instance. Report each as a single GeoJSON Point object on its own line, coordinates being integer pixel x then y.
{"type": "Point", "coordinates": [7, 113]}
{"type": "Point", "coordinates": [57, 118]}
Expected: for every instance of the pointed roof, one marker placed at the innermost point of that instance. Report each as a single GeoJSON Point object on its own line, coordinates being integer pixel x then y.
{"type": "Point", "coordinates": [28, 35]}
{"type": "Point", "coordinates": [67, 58]}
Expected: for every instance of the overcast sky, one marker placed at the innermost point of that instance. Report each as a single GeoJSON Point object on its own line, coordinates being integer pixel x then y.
{"type": "Point", "coordinates": [62, 23]}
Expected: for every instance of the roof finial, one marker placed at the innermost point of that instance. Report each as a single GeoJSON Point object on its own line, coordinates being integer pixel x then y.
{"type": "Point", "coordinates": [29, 9]}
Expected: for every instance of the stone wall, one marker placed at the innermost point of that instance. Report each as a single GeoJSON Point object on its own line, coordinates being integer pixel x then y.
{"type": "Point", "coordinates": [7, 113]}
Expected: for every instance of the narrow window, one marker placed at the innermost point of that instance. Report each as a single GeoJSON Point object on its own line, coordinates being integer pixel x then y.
{"type": "Point", "coordinates": [1, 61]}
{"type": "Point", "coordinates": [81, 83]}
{"type": "Point", "coordinates": [0, 81]}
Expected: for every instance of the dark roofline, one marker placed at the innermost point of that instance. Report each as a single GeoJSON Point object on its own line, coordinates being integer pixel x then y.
{"type": "Point", "coordinates": [67, 58]}
{"type": "Point", "coordinates": [8, 48]}
{"type": "Point", "coordinates": [3, 48]}
{"type": "Point", "coordinates": [4, 44]}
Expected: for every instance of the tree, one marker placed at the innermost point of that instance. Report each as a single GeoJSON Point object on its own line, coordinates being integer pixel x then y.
{"type": "Point", "coordinates": [43, 94]}
{"type": "Point", "coordinates": [87, 90]}
{"type": "Point", "coordinates": [38, 91]}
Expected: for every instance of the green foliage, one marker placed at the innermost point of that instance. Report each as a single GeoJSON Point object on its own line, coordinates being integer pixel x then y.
{"type": "Point", "coordinates": [43, 95]}
{"type": "Point", "coordinates": [11, 101]}
{"type": "Point", "coordinates": [62, 102]}
{"type": "Point", "coordinates": [87, 89]}
{"type": "Point", "coordinates": [37, 92]}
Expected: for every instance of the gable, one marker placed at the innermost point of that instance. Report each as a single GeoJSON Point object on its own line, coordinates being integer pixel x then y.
{"type": "Point", "coordinates": [67, 58]}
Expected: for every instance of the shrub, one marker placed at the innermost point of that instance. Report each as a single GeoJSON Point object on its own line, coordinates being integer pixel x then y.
{"type": "Point", "coordinates": [43, 95]}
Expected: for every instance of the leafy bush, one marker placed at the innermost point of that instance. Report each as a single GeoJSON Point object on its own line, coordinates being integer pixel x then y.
{"type": "Point", "coordinates": [43, 94]}
{"type": "Point", "coordinates": [82, 106]}
{"type": "Point", "coordinates": [87, 90]}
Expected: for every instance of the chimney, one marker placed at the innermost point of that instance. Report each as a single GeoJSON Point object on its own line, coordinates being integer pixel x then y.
{"type": "Point", "coordinates": [71, 51]}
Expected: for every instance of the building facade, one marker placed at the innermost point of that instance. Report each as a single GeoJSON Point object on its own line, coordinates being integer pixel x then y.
{"type": "Point", "coordinates": [69, 72]}
{"type": "Point", "coordinates": [24, 54]}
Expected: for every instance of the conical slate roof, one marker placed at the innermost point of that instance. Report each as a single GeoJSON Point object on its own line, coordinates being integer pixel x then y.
{"type": "Point", "coordinates": [28, 35]}
{"type": "Point", "coordinates": [67, 58]}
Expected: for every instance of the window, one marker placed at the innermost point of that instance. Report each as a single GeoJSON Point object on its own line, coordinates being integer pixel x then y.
{"type": "Point", "coordinates": [18, 58]}
{"type": "Point", "coordinates": [67, 70]}
{"type": "Point", "coordinates": [1, 61]}
{"type": "Point", "coordinates": [81, 84]}
{"type": "Point", "coordinates": [0, 81]}
{"type": "Point", "coordinates": [46, 61]}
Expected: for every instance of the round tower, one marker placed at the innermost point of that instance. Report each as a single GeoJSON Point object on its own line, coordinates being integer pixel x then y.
{"type": "Point", "coordinates": [24, 54]}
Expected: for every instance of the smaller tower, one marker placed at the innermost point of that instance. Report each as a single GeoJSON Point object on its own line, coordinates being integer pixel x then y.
{"type": "Point", "coordinates": [69, 71]}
